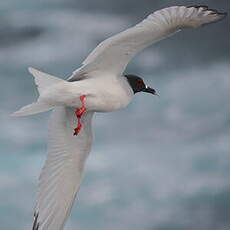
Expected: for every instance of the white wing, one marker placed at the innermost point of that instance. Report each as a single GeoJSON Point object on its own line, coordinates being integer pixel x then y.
{"type": "Point", "coordinates": [113, 54]}
{"type": "Point", "coordinates": [61, 175]}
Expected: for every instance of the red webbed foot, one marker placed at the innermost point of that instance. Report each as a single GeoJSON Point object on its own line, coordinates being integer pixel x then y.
{"type": "Point", "coordinates": [78, 129]}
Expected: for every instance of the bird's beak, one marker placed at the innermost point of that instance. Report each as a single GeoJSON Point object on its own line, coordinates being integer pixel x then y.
{"type": "Point", "coordinates": [150, 90]}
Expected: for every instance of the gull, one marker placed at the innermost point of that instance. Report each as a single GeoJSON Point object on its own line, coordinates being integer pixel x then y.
{"type": "Point", "coordinates": [99, 85]}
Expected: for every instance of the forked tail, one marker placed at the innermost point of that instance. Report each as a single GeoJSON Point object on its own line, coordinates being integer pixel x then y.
{"type": "Point", "coordinates": [43, 82]}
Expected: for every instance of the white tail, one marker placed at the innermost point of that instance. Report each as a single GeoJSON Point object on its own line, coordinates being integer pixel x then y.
{"type": "Point", "coordinates": [43, 82]}
{"type": "Point", "coordinates": [31, 109]}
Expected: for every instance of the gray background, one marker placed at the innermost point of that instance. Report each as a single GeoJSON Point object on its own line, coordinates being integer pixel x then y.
{"type": "Point", "coordinates": [161, 163]}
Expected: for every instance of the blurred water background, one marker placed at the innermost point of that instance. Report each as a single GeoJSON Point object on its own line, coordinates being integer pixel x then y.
{"type": "Point", "coordinates": [161, 163]}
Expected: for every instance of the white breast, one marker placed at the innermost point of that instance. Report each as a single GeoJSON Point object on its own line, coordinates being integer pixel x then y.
{"type": "Point", "coordinates": [109, 95]}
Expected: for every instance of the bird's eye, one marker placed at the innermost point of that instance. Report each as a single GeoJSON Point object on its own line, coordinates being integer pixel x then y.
{"type": "Point", "coordinates": [139, 82]}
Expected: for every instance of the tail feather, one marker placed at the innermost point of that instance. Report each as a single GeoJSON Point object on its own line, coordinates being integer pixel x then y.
{"type": "Point", "coordinates": [31, 109]}
{"type": "Point", "coordinates": [43, 82]}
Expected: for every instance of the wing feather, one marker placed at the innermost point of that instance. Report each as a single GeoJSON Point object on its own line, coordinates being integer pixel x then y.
{"type": "Point", "coordinates": [113, 54]}
{"type": "Point", "coordinates": [61, 175]}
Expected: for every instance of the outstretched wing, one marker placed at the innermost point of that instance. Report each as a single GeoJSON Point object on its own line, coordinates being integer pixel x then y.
{"type": "Point", "coordinates": [61, 175]}
{"type": "Point", "coordinates": [113, 54]}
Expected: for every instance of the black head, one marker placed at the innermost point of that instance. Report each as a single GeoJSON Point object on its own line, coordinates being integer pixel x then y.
{"type": "Point", "coordinates": [138, 85]}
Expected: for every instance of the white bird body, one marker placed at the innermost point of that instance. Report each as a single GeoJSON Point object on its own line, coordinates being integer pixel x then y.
{"type": "Point", "coordinates": [100, 79]}
{"type": "Point", "coordinates": [99, 98]}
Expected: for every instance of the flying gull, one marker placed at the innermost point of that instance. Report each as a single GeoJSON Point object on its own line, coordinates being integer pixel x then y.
{"type": "Point", "coordinates": [99, 85]}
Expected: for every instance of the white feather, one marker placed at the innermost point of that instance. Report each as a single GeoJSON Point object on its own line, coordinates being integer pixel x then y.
{"type": "Point", "coordinates": [61, 175]}
{"type": "Point", "coordinates": [43, 80]}
{"type": "Point", "coordinates": [113, 54]}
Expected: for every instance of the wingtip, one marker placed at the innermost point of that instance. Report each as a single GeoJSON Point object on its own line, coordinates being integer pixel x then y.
{"type": "Point", "coordinates": [224, 14]}
{"type": "Point", "coordinates": [36, 223]}
{"type": "Point", "coordinates": [206, 8]}
{"type": "Point", "coordinates": [219, 15]}
{"type": "Point", "coordinates": [198, 6]}
{"type": "Point", "coordinates": [32, 70]}
{"type": "Point", "coordinates": [13, 115]}
{"type": "Point", "coordinates": [16, 114]}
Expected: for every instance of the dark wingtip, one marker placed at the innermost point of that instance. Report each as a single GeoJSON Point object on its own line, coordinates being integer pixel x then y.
{"type": "Point", "coordinates": [214, 11]}
{"type": "Point", "coordinates": [198, 6]}
{"type": "Point", "coordinates": [225, 14]}
{"type": "Point", "coordinates": [36, 223]}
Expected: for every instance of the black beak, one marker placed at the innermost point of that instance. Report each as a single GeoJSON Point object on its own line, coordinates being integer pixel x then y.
{"type": "Point", "coordinates": [150, 90]}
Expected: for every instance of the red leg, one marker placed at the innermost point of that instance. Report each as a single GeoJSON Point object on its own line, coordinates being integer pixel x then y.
{"type": "Point", "coordinates": [79, 113]}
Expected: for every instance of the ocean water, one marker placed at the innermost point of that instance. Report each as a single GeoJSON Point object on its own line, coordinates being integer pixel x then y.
{"type": "Point", "coordinates": [161, 163]}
